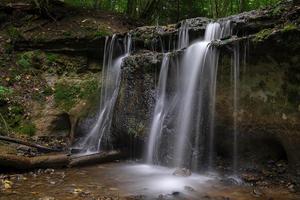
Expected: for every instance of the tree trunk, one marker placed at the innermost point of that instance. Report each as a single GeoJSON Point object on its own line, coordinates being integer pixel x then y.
{"type": "Point", "coordinates": [13, 162]}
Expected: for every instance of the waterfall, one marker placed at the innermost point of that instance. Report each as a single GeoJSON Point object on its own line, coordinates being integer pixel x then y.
{"type": "Point", "coordinates": [109, 91]}
{"type": "Point", "coordinates": [159, 113]}
{"type": "Point", "coordinates": [183, 35]}
{"type": "Point", "coordinates": [196, 78]}
{"type": "Point", "coordinates": [195, 97]}
{"type": "Point", "coordinates": [236, 65]}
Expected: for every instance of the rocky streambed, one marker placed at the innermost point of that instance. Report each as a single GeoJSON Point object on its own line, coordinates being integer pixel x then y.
{"type": "Point", "coordinates": [130, 180]}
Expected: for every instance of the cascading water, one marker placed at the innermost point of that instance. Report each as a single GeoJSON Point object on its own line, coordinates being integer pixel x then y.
{"type": "Point", "coordinates": [159, 113]}
{"type": "Point", "coordinates": [194, 82]}
{"type": "Point", "coordinates": [109, 91]}
{"type": "Point", "coordinates": [236, 58]}
{"type": "Point", "coordinates": [195, 100]}
{"type": "Point", "coordinates": [183, 35]}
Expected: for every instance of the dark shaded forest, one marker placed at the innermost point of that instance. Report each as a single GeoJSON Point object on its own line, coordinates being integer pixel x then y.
{"type": "Point", "coordinates": [169, 11]}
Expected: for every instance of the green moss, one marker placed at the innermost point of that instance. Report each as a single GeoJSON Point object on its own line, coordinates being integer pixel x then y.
{"type": "Point", "coordinates": [277, 11]}
{"type": "Point", "coordinates": [8, 48]}
{"type": "Point", "coordinates": [25, 59]}
{"type": "Point", "coordinates": [14, 33]}
{"type": "Point", "coordinates": [80, 3]}
{"type": "Point", "coordinates": [67, 94]}
{"type": "Point", "coordinates": [263, 34]}
{"type": "Point", "coordinates": [27, 128]}
{"type": "Point", "coordinates": [67, 34]}
{"type": "Point", "coordinates": [4, 92]}
{"type": "Point", "coordinates": [135, 128]}
{"type": "Point", "coordinates": [51, 57]}
{"type": "Point", "coordinates": [48, 91]}
{"type": "Point", "coordinates": [30, 59]}
{"type": "Point", "coordinates": [88, 88]}
{"type": "Point", "coordinates": [289, 27]}
{"type": "Point", "coordinates": [12, 116]}
{"type": "Point", "coordinates": [102, 33]}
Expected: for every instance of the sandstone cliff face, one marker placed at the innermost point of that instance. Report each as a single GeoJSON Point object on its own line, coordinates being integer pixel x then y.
{"type": "Point", "coordinates": [269, 99]}
{"type": "Point", "coordinates": [268, 114]}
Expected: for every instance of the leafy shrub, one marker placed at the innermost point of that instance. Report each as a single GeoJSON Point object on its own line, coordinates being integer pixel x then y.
{"type": "Point", "coordinates": [24, 60]}
{"type": "Point", "coordinates": [4, 92]}
{"type": "Point", "coordinates": [14, 33]}
{"type": "Point", "coordinates": [51, 57]}
{"type": "Point", "coordinates": [27, 128]}
{"type": "Point", "coordinates": [65, 95]}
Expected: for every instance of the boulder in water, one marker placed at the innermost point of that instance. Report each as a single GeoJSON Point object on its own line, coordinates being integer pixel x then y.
{"type": "Point", "coordinates": [183, 172]}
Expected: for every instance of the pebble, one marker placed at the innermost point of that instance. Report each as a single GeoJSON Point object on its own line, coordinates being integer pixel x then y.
{"type": "Point", "coordinates": [291, 188]}
{"type": "Point", "coordinates": [47, 198]}
{"type": "Point", "coordinates": [257, 193]}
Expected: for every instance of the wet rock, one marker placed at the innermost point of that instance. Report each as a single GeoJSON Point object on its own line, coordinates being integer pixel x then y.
{"type": "Point", "coordinates": [176, 193]}
{"type": "Point", "coordinates": [250, 177]}
{"type": "Point", "coordinates": [257, 193]}
{"type": "Point", "coordinates": [47, 198]}
{"type": "Point", "coordinates": [291, 188]}
{"type": "Point", "coordinates": [77, 191]}
{"type": "Point", "coordinates": [189, 188]}
{"type": "Point", "coordinates": [183, 172]}
{"type": "Point", "coordinates": [7, 184]}
{"type": "Point", "coordinates": [52, 182]}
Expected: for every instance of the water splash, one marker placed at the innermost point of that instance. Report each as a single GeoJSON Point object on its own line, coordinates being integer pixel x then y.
{"type": "Point", "coordinates": [110, 88]}
{"type": "Point", "coordinates": [159, 113]}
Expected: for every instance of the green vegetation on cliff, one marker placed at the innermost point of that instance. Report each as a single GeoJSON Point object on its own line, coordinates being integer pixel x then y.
{"type": "Point", "coordinates": [69, 92]}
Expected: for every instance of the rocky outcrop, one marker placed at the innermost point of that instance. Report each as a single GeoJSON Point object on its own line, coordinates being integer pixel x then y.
{"type": "Point", "coordinates": [136, 99]}
{"type": "Point", "coordinates": [268, 114]}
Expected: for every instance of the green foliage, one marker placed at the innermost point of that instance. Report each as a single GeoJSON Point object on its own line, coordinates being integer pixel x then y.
{"type": "Point", "coordinates": [135, 128]}
{"type": "Point", "coordinates": [48, 91]}
{"type": "Point", "coordinates": [30, 59]}
{"type": "Point", "coordinates": [173, 10]}
{"type": "Point", "coordinates": [14, 33]}
{"type": "Point", "coordinates": [263, 34]}
{"type": "Point", "coordinates": [289, 27]}
{"type": "Point", "coordinates": [51, 57]}
{"type": "Point", "coordinates": [67, 33]}
{"type": "Point", "coordinates": [4, 92]}
{"type": "Point", "coordinates": [11, 117]}
{"type": "Point", "coordinates": [81, 3]}
{"type": "Point", "coordinates": [101, 33]}
{"type": "Point", "coordinates": [88, 88]}
{"type": "Point", "coordinates": [25, 59]}
{"type": "Point", "coordinates": [27, 128]}
{"type": "Point", "coordinates": [67, 94]}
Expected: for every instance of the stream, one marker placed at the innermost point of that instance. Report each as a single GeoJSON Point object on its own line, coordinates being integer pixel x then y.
{"type": "Point", "coordinates": [130, 180]}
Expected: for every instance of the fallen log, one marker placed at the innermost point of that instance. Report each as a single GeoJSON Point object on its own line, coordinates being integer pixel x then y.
{"type": "Point", "coordinates": [8, 161]}
{"type": "Point", "coordinates": [50, 161]}
{"type": "Point", "coordinates": [40, 148]}
{"type": "Point", "coordinates": [97, 158]}
{"type": "Point", "coordinates": [14, 162]}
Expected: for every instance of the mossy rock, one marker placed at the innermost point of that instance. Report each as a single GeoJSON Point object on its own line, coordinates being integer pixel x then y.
{"type": "Point", "coordinates": [263, 35]}
{"type": "Point", "coordinates": [69, 92]}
